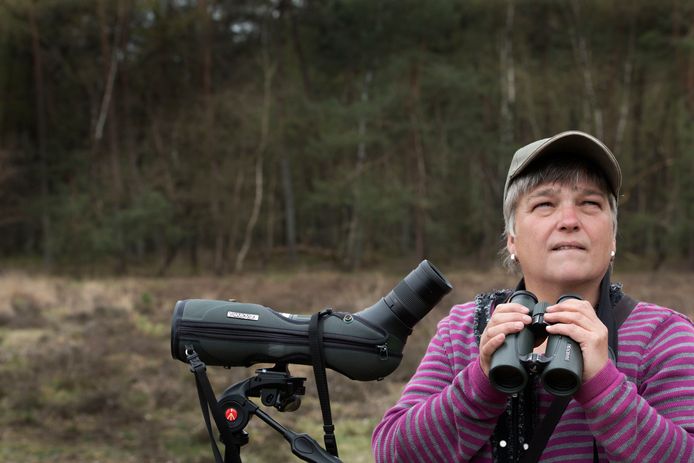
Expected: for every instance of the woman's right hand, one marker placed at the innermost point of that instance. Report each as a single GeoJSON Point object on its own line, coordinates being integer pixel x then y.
{"type": "Point", "coordinates": [506, 319]}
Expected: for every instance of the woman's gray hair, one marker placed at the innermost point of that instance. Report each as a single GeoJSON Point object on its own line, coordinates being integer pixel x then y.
{"type": "Point", "coordinates": [566, 172]}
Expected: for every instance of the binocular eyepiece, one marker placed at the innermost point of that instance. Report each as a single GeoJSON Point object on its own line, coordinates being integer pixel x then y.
{"type": "Point", "coordinates": [560, 367]}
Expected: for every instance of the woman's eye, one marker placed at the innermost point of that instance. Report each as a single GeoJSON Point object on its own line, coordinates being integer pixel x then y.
{"type": "Point", "coordinates": [542, 205]}
{"type": "Point", "coordinates": [592, 203]}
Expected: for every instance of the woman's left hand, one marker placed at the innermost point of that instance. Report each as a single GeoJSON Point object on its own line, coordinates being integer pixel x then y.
{"type": "Point", "coordinates": [577, 319]}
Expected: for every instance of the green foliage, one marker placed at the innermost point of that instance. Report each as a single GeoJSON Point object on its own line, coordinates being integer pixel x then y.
{"type": "Point", "coordinates": [378, 128]}
{"type": "Point", "coordinates": [83, 233]}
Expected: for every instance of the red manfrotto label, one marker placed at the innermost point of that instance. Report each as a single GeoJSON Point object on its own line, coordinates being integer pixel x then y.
{"type": "Point", "coordinates": [231, 414]}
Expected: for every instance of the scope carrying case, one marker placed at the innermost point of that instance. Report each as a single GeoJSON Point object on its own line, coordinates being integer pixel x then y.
{"type": "Point", "coordinates": [226, 333]}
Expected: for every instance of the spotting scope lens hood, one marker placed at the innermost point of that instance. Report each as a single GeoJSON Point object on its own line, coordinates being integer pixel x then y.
{"type": "Point", "coordinates": [364, 346]}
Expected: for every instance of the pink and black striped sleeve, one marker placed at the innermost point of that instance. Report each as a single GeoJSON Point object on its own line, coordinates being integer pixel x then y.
{"type": "Point", "coordinates": [652, 420]}
{"type": "Point", "coordinates": [448, 409]}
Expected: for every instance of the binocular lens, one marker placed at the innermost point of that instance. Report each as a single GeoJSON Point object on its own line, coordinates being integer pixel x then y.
{"type": "Point", "coordinates": [508, 379]}
{"type": "Point", "coordinates": [560, 383]}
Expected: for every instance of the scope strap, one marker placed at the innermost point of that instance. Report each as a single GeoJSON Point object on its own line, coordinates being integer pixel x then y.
{"type": "Point", "coordinates": [208, 400]}
{"type": "Point", "coordinates": [315, 335]}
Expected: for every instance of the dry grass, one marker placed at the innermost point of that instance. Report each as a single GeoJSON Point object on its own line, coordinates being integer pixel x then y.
{"type": "Point", "coordinates": [87, 375]}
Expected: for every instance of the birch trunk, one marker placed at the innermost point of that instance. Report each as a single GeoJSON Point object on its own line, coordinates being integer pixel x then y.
{"type": "Point", "coordinates": [40, 108]}
{"type": "Point", "coordinates": [507, 78]}
{"type": "Point", "coordinates": [354, 239]}
{"type": "Point", "coordinates": [420, 181]}
{"type": "Point", "coordinates": [591, 107]}
{"type": "Point", "coordinates": [268, 71]}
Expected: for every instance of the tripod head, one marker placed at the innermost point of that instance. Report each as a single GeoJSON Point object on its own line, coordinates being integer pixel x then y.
{"type": "Point", "coordinates": [274, 386]}
{"type": "Point", "coordinates": [232, 412]}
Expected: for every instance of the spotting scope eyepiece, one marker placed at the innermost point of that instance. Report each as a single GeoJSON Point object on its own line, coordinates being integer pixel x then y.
{"type": "Point", "coordinates": [363, 346]}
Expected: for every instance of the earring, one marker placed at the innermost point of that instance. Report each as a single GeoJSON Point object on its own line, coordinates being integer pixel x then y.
{"type": "Point", "coordinates": [513, 257]}
{"type": "Point", "coordinates": [612, 254]}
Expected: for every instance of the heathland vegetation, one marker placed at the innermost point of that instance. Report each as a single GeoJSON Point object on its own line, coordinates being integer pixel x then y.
{"type": "Point", "coordinates": [87, 375]}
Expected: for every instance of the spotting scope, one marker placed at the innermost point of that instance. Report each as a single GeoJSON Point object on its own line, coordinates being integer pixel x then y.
{"type": "Point", "coordinates": [364, 346]}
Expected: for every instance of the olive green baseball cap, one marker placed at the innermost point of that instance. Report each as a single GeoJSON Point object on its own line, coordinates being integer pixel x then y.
{"type": "Point", "coordinates": [571, 143]}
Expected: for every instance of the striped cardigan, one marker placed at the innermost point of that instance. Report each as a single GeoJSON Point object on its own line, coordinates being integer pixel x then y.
{"type": "Point", "coordinates": [641, 411]}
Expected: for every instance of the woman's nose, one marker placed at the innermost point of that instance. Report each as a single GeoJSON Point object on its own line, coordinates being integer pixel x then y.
{"type": "Point", "coordinates": [568, 218]}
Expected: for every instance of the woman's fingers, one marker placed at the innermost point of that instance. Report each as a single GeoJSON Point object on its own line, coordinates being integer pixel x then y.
{"type": "Point", "coordinates": [510, 307]}
{"type": "Point", "coordinates": [506, 319]}
{"type": "Point", "coordinates": [504, 323]}
{"type": "Point", "coordinates": [577, 319]}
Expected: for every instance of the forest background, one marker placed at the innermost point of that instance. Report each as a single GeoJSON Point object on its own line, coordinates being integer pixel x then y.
{"type": "Point", "coordinates": [216, 136]}
{"type": "Point", "coordinates": [295, 153]}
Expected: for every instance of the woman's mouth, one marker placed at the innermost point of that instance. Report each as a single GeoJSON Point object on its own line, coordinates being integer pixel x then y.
{"type": "Point", "coordinates": [568, 247]}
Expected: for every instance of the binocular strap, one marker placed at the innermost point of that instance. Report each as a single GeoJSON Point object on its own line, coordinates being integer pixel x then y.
{"type": "Point", "coordinates": [545, 430]}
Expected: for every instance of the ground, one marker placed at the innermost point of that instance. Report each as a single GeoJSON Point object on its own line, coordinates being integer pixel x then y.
{"type": "Point", "coordinates": [87, 374]}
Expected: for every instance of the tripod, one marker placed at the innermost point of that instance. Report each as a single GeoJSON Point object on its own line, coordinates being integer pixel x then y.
{"type": "Point", "coordinates": [232, 412]}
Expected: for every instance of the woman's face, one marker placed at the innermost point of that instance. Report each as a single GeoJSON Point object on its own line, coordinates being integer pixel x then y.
{"type": "Point", "coordinates": [563, 235]}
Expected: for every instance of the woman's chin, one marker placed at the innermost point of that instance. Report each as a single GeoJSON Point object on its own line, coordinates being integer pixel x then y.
{"type": "Point", "coordinates": [575, 275]}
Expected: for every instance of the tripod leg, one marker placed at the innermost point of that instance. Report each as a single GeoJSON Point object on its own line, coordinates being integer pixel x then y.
{"type": "Point", "coordinates": [303, 446]}
{"type": "Point", "coordinates": [232, 454]}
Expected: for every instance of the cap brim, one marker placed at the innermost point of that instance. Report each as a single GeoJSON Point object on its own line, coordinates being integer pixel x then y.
{"type": "Point", "coordinates": [567, 143]}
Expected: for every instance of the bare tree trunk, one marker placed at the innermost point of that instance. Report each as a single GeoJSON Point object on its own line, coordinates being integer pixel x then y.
{"type": "Point", "coordinates": [235, 205]}
{"type": "Point", "coordinates": [420, 181]}
{"type": "Point", "coordinates": [110, 53]}
{"type": "Point", "coordinates": [290, 34]}
{"type": "Point", "coordinates": [216, 179]}
{"type": "Point", "coordinates": [627, 76]}
{"type": "Point", "coordinates": [591, 106]}
{"type": "Point", "coordinates": [689, 84]}
{"type": "Point", "coordinates": [508, 78]}
{"type": "Point", "coordinates": [269, 70]}
{"type": "Point", "coordinates": [688, 108]}
{"type": "Point", "coordinates": [107, 120]}
{"type": "Point", "coordinates": [219, 250]}
{"type": "Point", "coordinates": [624, 105]}
{"type": "Point", "coordinates": [206, 48]}
{"type": "Point", "coordinates": [289, 207]}
{"type": "Point", "coordinates": [535, 104]}
{"type": "Point", "coordinates": [288, 9]}
{"type": "Point", "coordinates": [354, 239]}
{"type": "Point", "coordinates": [270, 211]}
{"type": "Point", "coordinates": [420, 204]}
{"type": "Point", "coordinates": [105, 107]}
{"type": "Point", "coordinates": [257, 201]}
{"type": "Point", "coordinates": [668, 223]}
{"type": "Point", "coordinates": [133, 174]}
{"type": "Point", "coordinates": [216, 208]}
{"type": "Point", "coordinates": [46, 225]}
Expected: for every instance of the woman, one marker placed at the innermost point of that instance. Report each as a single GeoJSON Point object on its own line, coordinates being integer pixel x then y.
{"type": "Point", "coordinates": [560, 210]}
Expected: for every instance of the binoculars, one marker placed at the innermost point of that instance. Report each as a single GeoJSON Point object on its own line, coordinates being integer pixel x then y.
{"type": "Point", "coordinates": [560, 367]}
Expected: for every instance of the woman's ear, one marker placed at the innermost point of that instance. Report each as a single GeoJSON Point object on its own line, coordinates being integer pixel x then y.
{"type": "Point", "coordinates": [510, 244]}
